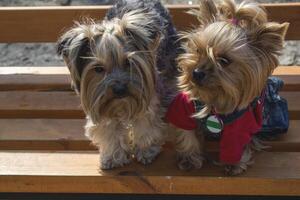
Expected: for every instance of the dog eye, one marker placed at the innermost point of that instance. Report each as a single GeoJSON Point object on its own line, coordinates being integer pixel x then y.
{"type": "Point", "coordinates": [224, 61]}
{"type": "Point", "coordinates": [127, 63]}
{"type": "Point", "coordinates": [99, 69]}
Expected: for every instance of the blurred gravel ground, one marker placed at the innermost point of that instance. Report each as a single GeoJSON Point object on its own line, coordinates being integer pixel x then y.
{"type": "Point", "coordinates": [43, 54]}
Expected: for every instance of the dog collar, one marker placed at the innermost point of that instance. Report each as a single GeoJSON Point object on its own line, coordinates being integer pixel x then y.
{"type": "Point", "coordinates": [214, 123]}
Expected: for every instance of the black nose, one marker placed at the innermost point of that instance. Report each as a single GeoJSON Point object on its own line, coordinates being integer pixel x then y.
{"type": "Point", "coordinates": [120, 90]}
{"type": "Point", "coordinates": [198, 74]}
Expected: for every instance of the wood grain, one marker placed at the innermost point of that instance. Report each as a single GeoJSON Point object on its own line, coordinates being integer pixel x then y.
{"type": "Point", "coordinates": [40, 105]}
{"type": "Point", "coordinates": [43, 134]}
{"type": "Point", "coordinates": [35, 78]}
{"type": "Point", "coordinates": [68, 134]}
{"type": "Point", "coordinates": [35, 82]}
{"type": "Point", "coordinates": [77, 172]}
{"type": "Point", "coordinates": [45, 70]}
{"type": "Point", "coordinates": [58, 78]}
{"type": "Point", "coordinates": [290, 75]}
{"type": "Point", "coordinates": [293, 103]}
{"type": "Point", "coordinates": [289, 142]}
{"type": "Point", "coordinates": [45, 24]}
{"type": "Point", "coordinates": [64, 105]}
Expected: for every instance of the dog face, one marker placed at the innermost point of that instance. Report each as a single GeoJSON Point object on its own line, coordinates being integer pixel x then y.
{"type": "Point", "coordinates": [228, 58]}
{"type": "Point", "coordinates": [112, 64]}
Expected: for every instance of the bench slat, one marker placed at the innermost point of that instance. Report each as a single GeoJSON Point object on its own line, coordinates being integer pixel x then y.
{"type": "Point", "coordinates": [68, 134]}
{"type": "Point", "coordinates": [58, 78]}
{"type": "Point", "coordinates": [43, 134]}
{"type": "Point", "coordinates": [44, 24]}
{"type": "Point", "coordinates": [61, 105]}
{"type": "Point", "coordinates": [293, 103]}
{"type": "Point", "coordinates": [34, 78]}
{"type": "Point", "coordinates": [35, 82]}
{"type": "Point", "coordinates": [40, 105]}
{"type": "Point", "coordinates": [77, 172]}
{"type": "Point", "coordinates": [290, 76]}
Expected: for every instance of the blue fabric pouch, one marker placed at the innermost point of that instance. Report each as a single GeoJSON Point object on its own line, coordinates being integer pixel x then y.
{"type": "Point", "coordinates": [275, 113]}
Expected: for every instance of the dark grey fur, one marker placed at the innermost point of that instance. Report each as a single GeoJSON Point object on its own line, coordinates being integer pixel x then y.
{"type": "Point", "coordinates": [169, 47]}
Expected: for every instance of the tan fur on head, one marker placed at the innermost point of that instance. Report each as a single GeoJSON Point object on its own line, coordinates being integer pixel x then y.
{"type": "Point", "coordinates": [236, 48]}
{"type": "Point", "coordinates": [105, 43]}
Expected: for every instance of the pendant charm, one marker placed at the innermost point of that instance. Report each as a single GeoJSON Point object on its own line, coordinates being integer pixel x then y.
{"type": "Point", "coordinates": [214, 124]}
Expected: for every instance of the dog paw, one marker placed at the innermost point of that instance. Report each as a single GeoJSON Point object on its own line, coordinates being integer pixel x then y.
{"type": "Point", "coordinates": [119, 159]}
{"type": "Point", "coordinates": [146, 156]}
{"type": "Point", "coordinates": [190, 161]}
{"type": "Point", "coordinates": [234, 170]}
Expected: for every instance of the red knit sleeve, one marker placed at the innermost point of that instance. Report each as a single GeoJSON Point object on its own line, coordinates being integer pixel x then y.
{"type": "Point", "coordinates": [180, 113]}
{"type": "Point", "coordinates": [238, 134]}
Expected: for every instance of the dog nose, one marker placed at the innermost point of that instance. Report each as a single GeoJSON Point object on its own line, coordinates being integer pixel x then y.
{"type": "Point", "coordinates": [198, 74]}
{"type": "Point", "coordinates": [120, 90]}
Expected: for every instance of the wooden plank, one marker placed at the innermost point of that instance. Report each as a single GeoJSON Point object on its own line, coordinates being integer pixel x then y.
{"type": "Point", "coordinates": [68, 134]}
{"type": "Point", "coordinates": [290, 75]}
{"type": "Point", "coordinates": [35, 82]}
{"type": "Point", "coordinates": [45, 24]}
{"type": "Point", "coordinates": [286, 13]}
{"type": "Point", "coordinates": [42, 129]}
{"type": "Point", "coordinates": [77, 172]}
{"type": "Point", "coordinates": [46, 70]}
{"type": "Point", "coordinates": [293, 103]}
{"type": "Point", "coordinates": [287, 142]}
{"type": "Point", "coordinates": [40, 105]}
{"type": "Point", "coordinates": [35, 78]}
{"type": "Point", "coordinates": [57, 78]}
{"type": "Point", "coordinates": [28, 104]}
{"type": "Point", "coordinates": [43, 134]}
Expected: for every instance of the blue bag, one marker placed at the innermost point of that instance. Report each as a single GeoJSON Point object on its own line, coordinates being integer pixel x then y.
{"type": "Point", "coordinates": [275, 113]}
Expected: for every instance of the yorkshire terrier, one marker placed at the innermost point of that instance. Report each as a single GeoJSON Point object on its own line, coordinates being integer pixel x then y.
{"type": "Point", "coordinates": [225, 66]}
{"type": "Point", "coordinates": [124, 70]}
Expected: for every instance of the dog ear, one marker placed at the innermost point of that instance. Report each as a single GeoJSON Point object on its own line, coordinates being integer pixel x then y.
{"type": "Point", "coordinates": [207, 12]}
{"type": "Point", "coordinates": [142, 27]}
{"type": "Point", "coordinates": [269, 37]}
{"type": "Point", "coordinates": [74, 47]}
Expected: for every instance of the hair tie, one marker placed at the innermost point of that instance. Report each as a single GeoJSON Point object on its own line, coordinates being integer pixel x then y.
{"type": "Point", "coordinates": [234, 21]}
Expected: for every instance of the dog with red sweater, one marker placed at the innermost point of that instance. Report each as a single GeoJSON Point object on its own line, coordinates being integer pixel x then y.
{"type": "Point", "coordinates": [225, 67]}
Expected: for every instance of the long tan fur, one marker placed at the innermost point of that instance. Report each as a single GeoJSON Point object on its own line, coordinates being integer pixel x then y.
{"type": "Point", "coordinates": [118, 51]}
{"type": "Point", "coordinates": [239, 34]}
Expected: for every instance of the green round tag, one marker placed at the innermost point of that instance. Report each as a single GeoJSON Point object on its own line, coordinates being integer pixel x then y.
{"type": "Point", "coordinates": [214, 124]}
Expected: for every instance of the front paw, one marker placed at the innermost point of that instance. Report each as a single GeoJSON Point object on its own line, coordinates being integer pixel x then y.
{"type": "Point", "coordinates": [146, 156]}
{"type": "Point", "coordinates": [118, 159]}
{"type": "Point", "coordinates": [235, 170]}
{"type": "Point", "coordinates": [189, 161]}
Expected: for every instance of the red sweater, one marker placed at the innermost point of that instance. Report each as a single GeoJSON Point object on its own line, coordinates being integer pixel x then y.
{"type": "Point", "coordinates": [234, 135]}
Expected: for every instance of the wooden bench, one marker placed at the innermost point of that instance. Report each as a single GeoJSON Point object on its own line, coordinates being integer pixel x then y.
{"type": "Point", "coordinates": [43, 149]}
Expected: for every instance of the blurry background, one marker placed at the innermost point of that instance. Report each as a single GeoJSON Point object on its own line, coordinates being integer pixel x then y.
{"type": "Point", "coordinates": [43, 54]}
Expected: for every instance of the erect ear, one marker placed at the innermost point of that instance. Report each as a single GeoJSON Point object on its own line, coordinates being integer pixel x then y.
{"type": "Point", "coordinates": [206, 13]}
{"type": "Point", "coordinates": [269, 37]}
{"type": "Point", "coordinates": [143, 27]}
{"type": "Point", "coordinates": [74, 47]}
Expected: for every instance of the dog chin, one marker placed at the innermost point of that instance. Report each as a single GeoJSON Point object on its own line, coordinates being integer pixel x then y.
{"type": "Point", "coordinates": [124, 108]}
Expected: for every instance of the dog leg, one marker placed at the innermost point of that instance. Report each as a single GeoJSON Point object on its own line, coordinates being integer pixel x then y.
{"type": "Point", "coordinates": [148, 136]}
{"type": "Point", "coordinates": [241, 167]}
{"type": "Point", "coordinates": [189, 150]}
{"type": "Point", "coordinates": [247, 158]}
{"type": "Point", "coordinates": [111, 138]}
